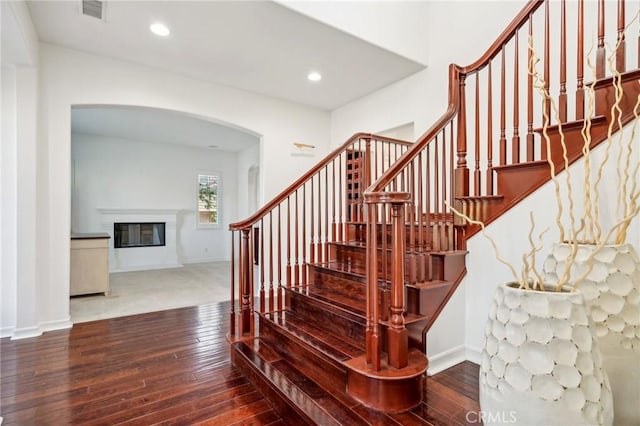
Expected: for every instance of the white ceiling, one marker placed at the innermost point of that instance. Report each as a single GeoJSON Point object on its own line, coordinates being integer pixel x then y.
{"type": "Point", "coordinates": [159, 126]}
{"type": "Point", "coordinates": [259, 46]}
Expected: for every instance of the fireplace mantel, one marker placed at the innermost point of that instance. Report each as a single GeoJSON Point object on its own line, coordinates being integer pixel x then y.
{"type": "Point", "coordinates": [142, 258]}
{"type": "Point", "coordinates": [138, 211]}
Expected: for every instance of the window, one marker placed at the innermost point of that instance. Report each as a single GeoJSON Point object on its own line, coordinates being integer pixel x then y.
{"type": "Point", "coordinates": [208, 200]}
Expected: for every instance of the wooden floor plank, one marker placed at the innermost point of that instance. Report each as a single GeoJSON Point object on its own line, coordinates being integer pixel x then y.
{"type": "Point", "coordinates": [170, 367]}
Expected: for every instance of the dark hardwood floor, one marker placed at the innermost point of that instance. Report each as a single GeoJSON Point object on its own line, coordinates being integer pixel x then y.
{"type": "Point", "coordinates": [170, 367]}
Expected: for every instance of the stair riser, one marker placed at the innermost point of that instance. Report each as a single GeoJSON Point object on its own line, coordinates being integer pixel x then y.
{"type": "Point", "coordinates": [426, 301]}
{"type": "Point", "coordinates": [279, 401]}
{"type": "Point", "coordinates": [312, 363]}
{"type": "Point", "coordinates": [358, 232]}
{"type": "Point", "coordinates": [416, 264]}
{"type": "Point", "coordinates": [341, 282]}
{"type": "Point", "coordinates": [328, 318]}
{"type": "Point", "coordinates": [347, 284]}
{"type": "Point", "coordinates": [447, 267]}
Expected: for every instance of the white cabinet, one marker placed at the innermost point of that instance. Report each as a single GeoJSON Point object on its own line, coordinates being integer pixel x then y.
{"type": "Point", "coordinates": [89, 263]}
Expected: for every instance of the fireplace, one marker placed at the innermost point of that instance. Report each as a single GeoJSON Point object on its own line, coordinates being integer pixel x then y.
{"type": "Point", "coordinates": [150, 247]}
{"type": "Point", "coordinates": [140, 234]}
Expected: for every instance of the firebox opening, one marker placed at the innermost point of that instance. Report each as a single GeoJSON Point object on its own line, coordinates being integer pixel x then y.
{"type": "Point", "coordinates": [128, 235]}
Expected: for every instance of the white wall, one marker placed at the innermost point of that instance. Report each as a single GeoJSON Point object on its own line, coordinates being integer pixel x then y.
{"type": "Point", "coordinates": [68, 78]}
{"type": "Point", "coordinates": [399, 26]}
{"type": "Point", "coordinates": [127, 174]}
{"type": "Point", "coordinates": [457, 33]}
{"type": "Point", "coordinates": [21, 237]}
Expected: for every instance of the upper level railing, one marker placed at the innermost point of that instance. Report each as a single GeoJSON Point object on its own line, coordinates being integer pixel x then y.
{"type": "Point", "coordinates": [492, 120]}
{"type": "Point", "coordinates": [272, 248]}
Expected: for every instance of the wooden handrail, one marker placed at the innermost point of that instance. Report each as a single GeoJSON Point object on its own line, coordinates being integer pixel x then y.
{"type": "Point", "coordinates": [254, 218]}
{"type": "Point", "coordinates": [495, 48]}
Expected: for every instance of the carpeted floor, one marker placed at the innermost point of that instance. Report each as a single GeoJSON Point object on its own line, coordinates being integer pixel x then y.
{"type": "Point", "coordinates": [156, 290]}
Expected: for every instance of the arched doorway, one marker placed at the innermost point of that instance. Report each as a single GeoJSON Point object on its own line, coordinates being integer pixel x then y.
{"type": "Point", "coordinates": [140, 166]}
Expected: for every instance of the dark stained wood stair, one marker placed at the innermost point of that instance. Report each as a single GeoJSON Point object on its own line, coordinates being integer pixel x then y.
{"type": "Point", "coordinates": [310, 357]}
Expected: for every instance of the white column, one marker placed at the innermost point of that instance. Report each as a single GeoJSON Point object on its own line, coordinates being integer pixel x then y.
{"type": "Point", "coordinates": [8, 207]}
{"type": "Point", "coordinates": [27, 295]}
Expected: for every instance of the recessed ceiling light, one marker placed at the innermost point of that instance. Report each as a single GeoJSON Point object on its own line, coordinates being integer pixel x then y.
{"type": "Point", "coordinates": [160, 29]}
{"type": "Point", "coordinates": [314, 76]}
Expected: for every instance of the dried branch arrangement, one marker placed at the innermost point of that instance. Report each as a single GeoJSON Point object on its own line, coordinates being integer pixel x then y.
{"type": "Point", "coordinates": [588, 229]}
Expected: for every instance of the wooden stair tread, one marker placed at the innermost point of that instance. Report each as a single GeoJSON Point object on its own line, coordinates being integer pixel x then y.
{"type": "Point", "coordinates": [363, 245]}
{"type": "Point", "coordinates": [346, 268]}
{"type": "Point", "coordinates": [449, 253]}
{"type": "Point", "coordinates": [576, 124]}
{"type": "Point", "coordinates": [481, 198]}
{"type": "Point", "coordinates": [334, 347]}
{"type": "Point", "coordinates": [308, 397]}
{"type": "Point", "coordinates": [409, 318]}
{"type": "Point", "coordinates": [353, 243]}
{"type": "Point", "coordinates": [429, 284]}
{"type": "Point", "coordinates": [436, 216]}
{"type": "Point", "coordinates": [523, 165]}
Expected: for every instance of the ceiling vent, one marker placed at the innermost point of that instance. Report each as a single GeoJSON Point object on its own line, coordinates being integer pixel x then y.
{"type": "Point", "coordinates": [94, 8]}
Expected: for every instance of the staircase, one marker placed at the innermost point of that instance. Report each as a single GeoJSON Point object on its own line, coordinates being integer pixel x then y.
{"type": "Point", "coordinates": [338, 279]}
{"type": "Point", "coordinates": [317, 325]}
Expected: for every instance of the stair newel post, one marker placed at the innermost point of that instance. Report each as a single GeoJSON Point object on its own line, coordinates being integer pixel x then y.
{"type": "Point", "coordinates": [245, 325]}
{"type": "Point", "coordinates": [397, 335]}
{"type": "Point", "coordinates": [372, 326]}
{"type": "Point", "coordinates": [462, 171]}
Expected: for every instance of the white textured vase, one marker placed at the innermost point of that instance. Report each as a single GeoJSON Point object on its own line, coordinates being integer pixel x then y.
{"type": "Point", "coordinates": [541, 364]}
{"type": "Point", "coordinates": [612, 295]}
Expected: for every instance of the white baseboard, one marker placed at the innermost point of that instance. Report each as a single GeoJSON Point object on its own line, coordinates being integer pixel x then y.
{"type": "Point", "coordinates": [451, 357]}
{"type": "Point", "coordinates": [446, 359]}
{"type": "Point", "coordinates": [191, 260]}
{"type": "Point", "coordinates": [56, 325]}
{"type": "Point", "coordinates": [6, 331]}
{"type": "Point", "coordinates": [25, 333]}
{"type": "Point", "coordinates": [146, 268]}
{"type": "Point", "coordinates": [474, 354]}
